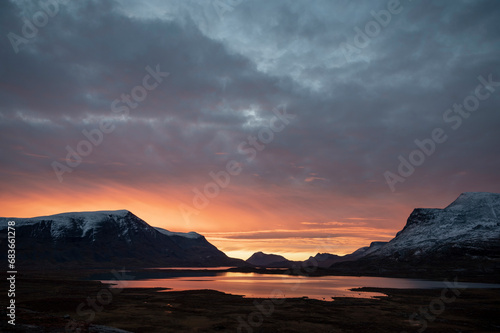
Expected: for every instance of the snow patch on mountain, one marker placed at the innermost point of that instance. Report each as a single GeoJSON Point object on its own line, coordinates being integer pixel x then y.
{"type": "Point", "coordinates": [108, 239]}
{"type": "Point", "coordinates": [191, 234]}
{"type": "Point", "coordinates": [85, 224]}
{"type": "Point", "coordinates": [367, 250]}
{"type": "Point", "coordinates": [470, 221]}
{"type": "Point", "coordinates": [77, 224]}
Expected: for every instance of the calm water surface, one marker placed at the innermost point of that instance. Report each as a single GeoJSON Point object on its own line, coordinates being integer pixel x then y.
{"type": "Point", "coordinates": [274, 285]}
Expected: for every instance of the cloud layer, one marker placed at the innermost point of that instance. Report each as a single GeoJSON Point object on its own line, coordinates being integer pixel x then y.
{"type": "Point", "coordinates": [231, 69]}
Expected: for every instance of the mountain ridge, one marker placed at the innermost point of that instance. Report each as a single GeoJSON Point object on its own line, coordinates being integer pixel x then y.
{"type": "Point", "coordinates": [468, 219]}
{"type": "Point", "coordinates": [464, 236]}
{"type": "Point", "coordinates": [108, 238]}
{"type": "Point", "coordinates": [461, 239]}
{"type": "Point", "coordinates": [322, 260]}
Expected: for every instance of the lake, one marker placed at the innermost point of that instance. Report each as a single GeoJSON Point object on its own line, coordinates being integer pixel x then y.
{"type": "Point", "coordinates": [271, 285]}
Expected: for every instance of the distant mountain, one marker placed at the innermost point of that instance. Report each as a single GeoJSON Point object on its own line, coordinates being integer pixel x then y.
{"type": "Point", "coordinates": [364, 251]}
{"type": "Point", "coordinates": [464, 236]}
{"type": "Point", "coordinates": [261, 259]}
{"type": "Point", "coordinates": [105, 239]}
{"type": "Point", "coordinates": [322, 260]}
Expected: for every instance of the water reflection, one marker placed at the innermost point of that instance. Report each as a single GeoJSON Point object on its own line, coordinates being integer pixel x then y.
{"type": "Point", "coordinates": [267, 285]}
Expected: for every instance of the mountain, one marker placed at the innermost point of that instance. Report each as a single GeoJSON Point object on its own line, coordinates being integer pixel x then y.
{"type": "Point", "coordinates": [322, 260]}
{"type": "Point", "coordinates": [105, 239]}
{"type": "Point", "coordinates": [460, 239]}
{"type": "Point", "coordinates": [464, 236]}
{"type": "Point", "coordinates": [470, 226]}
{"type": "Point", "coordinates": [261, 259]}
{"type": "Point", "coordinates": [364, 251]}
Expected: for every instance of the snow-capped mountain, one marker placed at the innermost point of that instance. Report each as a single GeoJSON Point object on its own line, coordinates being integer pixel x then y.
{"type": "Point", "coordinates": [191, 234]}
{"type": "Point", "coordinates": [107, 238]}
{"type": "Point", "coordinates": [470, 225]}
{"type": "Point", "coordinates": [463, 237]}
{"type": "Point", "coordinates": [365, 251]}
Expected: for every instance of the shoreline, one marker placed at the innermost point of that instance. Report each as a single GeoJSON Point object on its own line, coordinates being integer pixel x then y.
{"type": "Point", "coordinates": [430, 275]}
{"type": "Point", "coordinates": [51, 301]}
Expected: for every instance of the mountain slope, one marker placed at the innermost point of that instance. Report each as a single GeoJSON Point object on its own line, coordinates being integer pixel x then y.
{"type": "Point", "coordinates": [462, 237]}
{"type": "Point", "coordinates": [468, 226]}
{"type": "Point", "coordinates": [268, 260]}
{"type": "Point", "coordinates": [104, 239]}
{"type": "Point", "coordinates": [322, 260]}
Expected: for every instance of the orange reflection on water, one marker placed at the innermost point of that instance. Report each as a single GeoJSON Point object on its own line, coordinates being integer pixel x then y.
{"type": "Point", "coordinates": [258, 285]}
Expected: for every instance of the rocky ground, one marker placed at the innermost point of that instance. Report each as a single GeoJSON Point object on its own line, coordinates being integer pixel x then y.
{"type": "Point", "coordinates": [64, 303]}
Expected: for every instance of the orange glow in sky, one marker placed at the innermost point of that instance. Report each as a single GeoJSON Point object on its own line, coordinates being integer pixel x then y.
{"type": "Point", "coordinates": [240, 221]}
{"type": "Point", "coordinates": [327, 151]}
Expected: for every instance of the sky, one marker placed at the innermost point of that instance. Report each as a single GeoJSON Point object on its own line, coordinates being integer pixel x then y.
{"type": "Point", "coordinates": [288, 127]}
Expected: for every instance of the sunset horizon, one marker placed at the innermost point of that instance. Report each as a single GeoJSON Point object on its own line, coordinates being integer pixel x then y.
{"type": "Point", "coordinates": [340, 237]}
{"type": "Point", "coordinates": [249, 166]}
{"type": "Point", "coordinates": [195, 120]}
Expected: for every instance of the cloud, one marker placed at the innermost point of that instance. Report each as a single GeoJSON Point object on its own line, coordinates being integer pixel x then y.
{"type": "Point", "coordinates": [347, 231]}
{"type": "Point", "coordinates": [227, 72]}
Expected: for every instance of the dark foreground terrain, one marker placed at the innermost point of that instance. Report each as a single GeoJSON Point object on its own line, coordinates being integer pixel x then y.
{"type": "Point", "coordinates": [48, 303]}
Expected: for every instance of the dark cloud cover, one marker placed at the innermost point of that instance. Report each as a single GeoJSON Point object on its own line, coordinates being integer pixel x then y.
{"type": "Point", "coordinates": [228, 71]}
